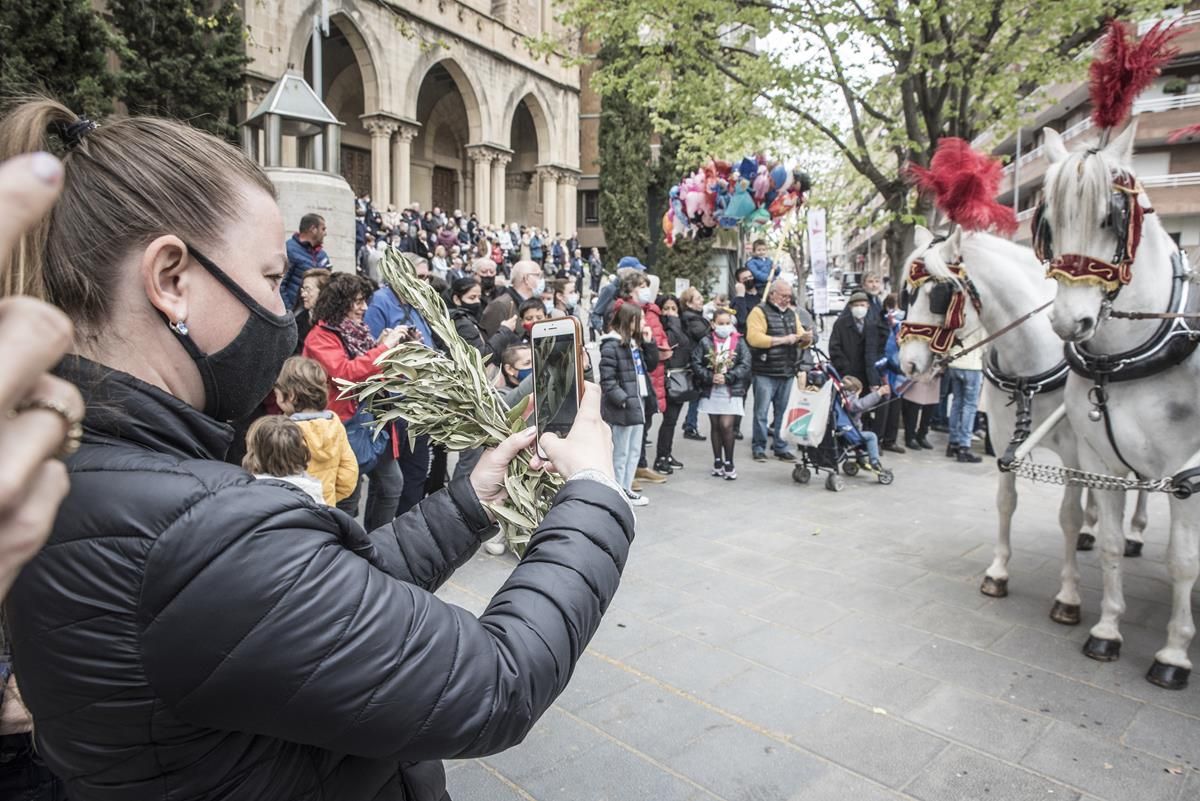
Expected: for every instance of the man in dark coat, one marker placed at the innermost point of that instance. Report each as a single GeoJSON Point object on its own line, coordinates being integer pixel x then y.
{"type": "Point", "coordinates": [191, 632]}
{"type": "Point", "coordinates": [854, 342]}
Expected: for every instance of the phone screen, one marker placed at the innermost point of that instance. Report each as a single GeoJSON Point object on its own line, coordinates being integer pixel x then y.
{"type": "Point", "coordinates": [555, 383]}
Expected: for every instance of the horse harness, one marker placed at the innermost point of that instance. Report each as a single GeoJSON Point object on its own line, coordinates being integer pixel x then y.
{"type": "Point", "coordinates": [1172, 343]}
{"type": "Point", "coordinates": [948, 297]}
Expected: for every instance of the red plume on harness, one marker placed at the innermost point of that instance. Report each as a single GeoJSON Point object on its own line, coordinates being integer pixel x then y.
{"type": "Point", "coordinates": [1125, 67]}
{"type": "Point", "coordinates": [964, 185]}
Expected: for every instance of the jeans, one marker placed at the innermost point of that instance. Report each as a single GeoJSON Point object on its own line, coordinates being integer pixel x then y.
{"type": "Point", "coordinates": [941, 414]}
{"type": "Point", "coordinates": [692, 421]}
{"type": "Point", "coordinates": [627, 446]}
{"type": "Point", "coordinates": [871, 443]}
{"type": "Point", "coordinates": [964, 386]}
{"type": "Point", "coordinates": [770, 391]}
{"type": "Point", "coordinates": [383, 493]}
{"type": "Point", "coordinates": [666, 431]}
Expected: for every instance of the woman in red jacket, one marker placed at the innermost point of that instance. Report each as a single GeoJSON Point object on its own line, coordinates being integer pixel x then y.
{"type": "Point", "coordinates": [343, 345]}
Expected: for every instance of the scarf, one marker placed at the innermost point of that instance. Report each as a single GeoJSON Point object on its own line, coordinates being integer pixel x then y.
{"type": "Point", "coordinates": [357, 337]}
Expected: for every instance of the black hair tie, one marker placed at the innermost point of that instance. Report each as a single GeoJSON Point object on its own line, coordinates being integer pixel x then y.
{"type": "Point", "coordinates": [74, 133]}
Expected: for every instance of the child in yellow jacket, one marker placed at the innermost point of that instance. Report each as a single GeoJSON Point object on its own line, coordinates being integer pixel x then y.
{"type": "Point", "coordinates": [302, 392]}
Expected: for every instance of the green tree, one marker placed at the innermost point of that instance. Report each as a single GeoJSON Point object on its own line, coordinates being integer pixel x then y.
{"type": "Point", "coordinates": [879, 81]}
{"type": "Point", "coordinates": [625, 174]}
{"type": "Point", "coordinates": [58, 47]}
{"type": "Point", "coordinates": [185, 61]}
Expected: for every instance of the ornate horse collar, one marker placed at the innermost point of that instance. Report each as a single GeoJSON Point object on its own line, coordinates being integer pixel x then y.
{"type": "Point", "coordinates": [1125, 217]}
{"type": "Point", "coordinates": [1047, 381]}
{"type": "Point", "coordinates": [949, 298]}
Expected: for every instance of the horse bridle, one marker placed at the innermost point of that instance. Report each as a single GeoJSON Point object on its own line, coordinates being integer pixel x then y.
{"type": "Point", "coordinates": [1125, 218]}
{"type": "Point", "coordinates": [948, 297]}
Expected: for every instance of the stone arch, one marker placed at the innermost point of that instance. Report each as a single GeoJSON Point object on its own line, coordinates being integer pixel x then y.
{"type": "Point", "coordinates": [363, 43]}
{"type": "Point", "coordinates": [472, 100]}
{"type": "Point", "coordinates": [536, 106]}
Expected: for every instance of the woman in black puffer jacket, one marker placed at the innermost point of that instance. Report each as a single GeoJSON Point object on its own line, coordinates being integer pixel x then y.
{"type": "Point", "coordinates": [192, 632]}
{"type": "Point", "coordinates": [680, 363]}
{"type": "Point", "coordinates": [465, 307]}
{"type": "Point", "coordinates": [691, 315]}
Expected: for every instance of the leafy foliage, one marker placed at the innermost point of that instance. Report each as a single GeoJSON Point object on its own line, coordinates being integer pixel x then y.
{"type": "Point", "coordinates": [185, 59]}
{"type": "Point", "coordinates": [625, 132]}
{"type": "Point", "coordinates": [60, 48]}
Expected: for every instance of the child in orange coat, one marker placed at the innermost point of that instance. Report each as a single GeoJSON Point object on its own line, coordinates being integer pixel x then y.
{"type": "Point", "coordinates": [302, 392]}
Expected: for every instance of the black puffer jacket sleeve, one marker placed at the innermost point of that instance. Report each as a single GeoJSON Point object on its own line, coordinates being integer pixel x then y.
{"type": "Point", "coordinates": [330, 638]}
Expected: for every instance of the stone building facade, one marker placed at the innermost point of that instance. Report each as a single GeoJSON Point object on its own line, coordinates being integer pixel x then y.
{"type": "Point", "coordinates": [441, 101]}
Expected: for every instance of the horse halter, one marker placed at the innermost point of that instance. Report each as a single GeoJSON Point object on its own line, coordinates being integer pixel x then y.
{"type": "Point", "coordinates": [947, 297]}
{"type": "Point", "coordinates": [1125, 218]}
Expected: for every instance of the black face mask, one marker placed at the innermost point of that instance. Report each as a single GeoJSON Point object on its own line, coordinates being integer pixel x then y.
{"type": "Point", "coordinates": [239, 376]}
{"type": "Point", "coordinates": [471, 308]}
{"type": "Point", "coordinates": [487, 282]}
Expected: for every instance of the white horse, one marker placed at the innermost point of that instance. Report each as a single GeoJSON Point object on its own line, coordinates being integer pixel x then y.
{"type": "Point", "coordinates": [1153, 423]}
{"type": "Point", "coordinates": [1010, 283]}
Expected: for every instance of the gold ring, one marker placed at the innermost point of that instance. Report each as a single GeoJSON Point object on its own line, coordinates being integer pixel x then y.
{"type": "Point", "coordinates": [74, 435]}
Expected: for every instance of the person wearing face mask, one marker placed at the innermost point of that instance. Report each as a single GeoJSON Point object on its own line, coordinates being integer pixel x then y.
{"type": "Point", "coordinates": [681, 360]}
{"type": "Point", "coordinates": [853, 345]}
{"type": "Point", "coordinates": [642, 289]}
{"type": "Point", "coordinates": [745, 297]}
{"type": "Point", "coordinates": [530, 312]}
{"type": "Point", "coordinates": [465, 308]}
{"type": "Point", "coordinates": [721, 366]}
{"type": "Point", "coordinates": [884, 421]}
{"type": "Point", "coordinates": [527, 282]}
{"type": "Point", "coordinates": [697, 327]}
{"type": "Point", "coordinates": [263, 647]}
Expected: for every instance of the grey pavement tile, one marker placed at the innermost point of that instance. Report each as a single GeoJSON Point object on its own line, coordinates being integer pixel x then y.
{"type": "Point", "coordinates": [470, 781]}
{"type": "Point", "coordinates": [874, 683]}
{"type": "Point", "coordinates": [665, 569]}
{"type": "Point", "coordinates": [1102, 768]}
{"type": "Point", "coordinates": [746, 562]}
{"type": "Point", "coordinates": [1031, 609]}
{"type": "Point", "coordinates": [740, 765]}
{"type": "Point", "coordinates": [779, 540]}
{"type": "Point", "coordinates": [837, 784]}
{"type": "Point", "coordinates": [1191, 786]}
{"type": "Point", "coordinates": [827, 557]}
{"type": "Point", "coordinates": [1173, 737]}
{"type": "Point", "coordinates": [807, 580]}
{"type": "Point", "coordinates": [687, 664]}
{"type": "Point", "coordinates": [458, 596]}
{"type": "Point", "coordinates": [647, 598]}
{"type": "Point", "coordinates": [959, 592]}
{"type": "Point", "coordinates": [880, 601]}
{"type": "Point", "coordinates": [1080, 705]}
{"type": "Point", "coordinates": [1056, 654]}
{"type": "Point", "coordinates": [593, 680]}
{"type": "Point", "coordinates": [891, 642]}
{"type": "Point", "coordinates": [654, 720]}
{"type": "Point", "coordinates": [1000, 729]}
{"type": "Point", "coordinates": [609, 773]}
{"type": "Point", "coordinates": [726, 588]}
{"type": "Point", "coordinates": [800, 612]}
{"type": "Point", "coordinates": [878, 746]}
{"type": "Point", "coordinates": [961, 775]}
{"type": "Point", "coordinates": [961, 665]}
{"type": "Point", "coordinates": [786, 650]}
{"type": "Point", "coordinates": [886, 573]}
{"type": "Point", "coordinates": [955, 623]}
{"type": "Point", "coordinates": [711, 622]}
{"type": "Point", "coordinates": [554, 738]}
{"type": "Point", "coordinates": [768, 700]}
{"type": "Point", "coordinates": [622, 633]}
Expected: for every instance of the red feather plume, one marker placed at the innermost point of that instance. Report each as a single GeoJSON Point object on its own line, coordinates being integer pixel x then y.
{"type": "Point", "coordinates": [964, 184]}
{"type": "Point", "coordinates": [1182, 133]}
{"type": "Point", "coordinates": [1125, 67]}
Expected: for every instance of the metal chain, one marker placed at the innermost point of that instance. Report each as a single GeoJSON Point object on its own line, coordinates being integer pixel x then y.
{"type": "Point", "coordinates": [1069, 476]}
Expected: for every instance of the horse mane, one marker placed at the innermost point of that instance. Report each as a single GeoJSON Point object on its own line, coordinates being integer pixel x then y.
{"type": "Point", "coordinates": [1077, 189]}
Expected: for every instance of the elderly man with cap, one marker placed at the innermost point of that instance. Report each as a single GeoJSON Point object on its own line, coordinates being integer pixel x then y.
{"type": "Point", "coordinates": [528, 281]}
{"type": "Point", "coordinates": [854, 342]}
{"type": "Point", "coordinates": [776, 338]}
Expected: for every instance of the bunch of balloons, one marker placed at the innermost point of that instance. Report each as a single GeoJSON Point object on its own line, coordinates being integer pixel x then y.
{"type": "Point", "coordinates": [754, 192]}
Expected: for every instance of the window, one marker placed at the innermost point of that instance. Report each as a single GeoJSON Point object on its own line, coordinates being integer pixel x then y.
{"type": "Point", "coordinates": [589, 208]}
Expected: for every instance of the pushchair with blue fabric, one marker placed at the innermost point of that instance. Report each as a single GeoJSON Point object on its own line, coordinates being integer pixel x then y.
{"type": "Point", "coordinates": [842, 448]}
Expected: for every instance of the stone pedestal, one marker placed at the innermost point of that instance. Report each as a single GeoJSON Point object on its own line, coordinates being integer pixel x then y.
{"type": "Point", "coordinates": [309, 191]}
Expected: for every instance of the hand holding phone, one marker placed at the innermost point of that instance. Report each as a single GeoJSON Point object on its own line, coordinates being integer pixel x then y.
{"type": "Point", "coordinates": [557, 347]}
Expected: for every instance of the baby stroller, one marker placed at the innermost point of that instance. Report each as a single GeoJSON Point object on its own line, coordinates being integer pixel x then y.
{"type": "Point", "coordinates": [841, 447]}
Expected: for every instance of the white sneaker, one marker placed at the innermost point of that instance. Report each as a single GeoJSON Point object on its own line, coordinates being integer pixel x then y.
{"type": "Point", "coordinates": [635, 499]}
{"type": "Point", "coordinates": [496, 545]}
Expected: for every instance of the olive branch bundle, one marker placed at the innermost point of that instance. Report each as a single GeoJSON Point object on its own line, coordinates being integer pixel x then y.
{"type": "Point", "coordinates": [449, 397]}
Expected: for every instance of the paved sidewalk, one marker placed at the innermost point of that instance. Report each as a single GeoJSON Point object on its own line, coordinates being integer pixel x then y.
{"type": "Point", "coordinates": [772, 641]}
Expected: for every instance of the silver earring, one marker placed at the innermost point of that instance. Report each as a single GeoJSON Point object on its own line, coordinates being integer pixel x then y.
{"type": "Point", "coordinates": [180, 328]}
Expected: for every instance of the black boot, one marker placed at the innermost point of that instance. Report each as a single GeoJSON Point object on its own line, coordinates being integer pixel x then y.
{"type": "Point", "coordinates": [951, 451]}
{"type": "Point", "coordinates": [925, 443]}
{"type": "Point", "coordinates": [965, 455]}
{"type": "Point", "coordinates": [663, 466]}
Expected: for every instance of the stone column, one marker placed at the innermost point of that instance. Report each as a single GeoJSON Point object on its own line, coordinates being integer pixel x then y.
{"type": "Point", "coordinates": [549, 178]}
{"type": "Point", "coordinates": [567, 181]}
{"type": "Point", "coordinates": [499, 184]}
{"type": "Point", "coordinates": [381, 130]}
{"type": "Point", "coordinates": [402, 165]}
{"type": "Point", "coordinates": [482, 157]}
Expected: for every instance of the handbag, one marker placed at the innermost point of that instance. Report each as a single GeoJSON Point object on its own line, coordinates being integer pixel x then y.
{"type": "Point", "coordinates": [366, 444]}
{"type": "Point", "coordinates": [680, 386]}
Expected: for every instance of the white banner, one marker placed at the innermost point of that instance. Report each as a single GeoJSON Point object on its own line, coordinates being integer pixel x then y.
{"type": "Point", "coordinates": [680, 285]}
{"type": "Point", "coordinates": [820, 266]}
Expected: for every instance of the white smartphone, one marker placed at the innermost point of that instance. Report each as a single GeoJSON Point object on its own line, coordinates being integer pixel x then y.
{"type": "Point", "coordinates": [557, 347]}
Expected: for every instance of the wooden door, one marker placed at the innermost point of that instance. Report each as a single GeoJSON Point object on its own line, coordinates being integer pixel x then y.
{"type": "Point", "coordinates": [356, 169]}
{"type": "Point", "coordinates": [445, 189]}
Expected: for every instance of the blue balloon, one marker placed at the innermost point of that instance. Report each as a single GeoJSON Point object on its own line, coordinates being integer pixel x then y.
{"type": "Point", "coordinates": [779, 176]}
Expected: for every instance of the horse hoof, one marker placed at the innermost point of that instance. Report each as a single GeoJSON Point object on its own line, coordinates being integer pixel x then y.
{"type": "Point", "coordinates": [996, 588]}
{"type": "Point", "coordinates": [1066, 614]}
{"type": "Point", "coordinates": [1169, 677]}
{"type": "Point", "coordinates": [1133, 548]}
{"type": "Point", "coordinates": [1085, 542]}
{"type": "Point", "coordinates": [1102, 650]}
